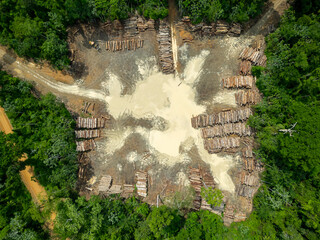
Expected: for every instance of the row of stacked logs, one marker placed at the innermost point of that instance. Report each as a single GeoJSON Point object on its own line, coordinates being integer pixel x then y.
{"type": "Point", "coordinates": [239, 128]}
{"type": "Point", "coordinates": [218, 28]}
{"type": "Point", "coordinates": [121, 45]}
{"type": "Point", "coordinates": [224, 117]}
{"type": "Point", "coordinates": [239, 82]}
{"type": "Point", "coordinates": [247, 97]}
{"type": "Point", "coordinates": [252, 56]}
{"type": "Point", "coordinates": [89, 130]}
{"type": "Point", "coordinates": [215, 145]}
{"type": "Point", "coordinates": [142, 183]}
{"type": "Point", "coordinates": [165, 48]}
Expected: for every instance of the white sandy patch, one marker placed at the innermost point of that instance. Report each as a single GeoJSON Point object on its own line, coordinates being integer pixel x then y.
{"type": "Point", "coordinates": [194, 68]}
{"type": "Point", "coordinates": [225, 97]}
{"type": "Point", "coordinates": [132, 157]}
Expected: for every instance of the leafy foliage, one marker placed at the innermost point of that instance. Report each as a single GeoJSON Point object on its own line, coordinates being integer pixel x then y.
{"type": "Point", "coordinates": [44, 131]}
{"type": "Point", "coordinates": [212, 10]}
{"type": "Point", "coordinates": [213, 196]}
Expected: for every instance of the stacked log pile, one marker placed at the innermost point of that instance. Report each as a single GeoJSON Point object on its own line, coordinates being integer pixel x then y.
{"type": "Point", "coordinates": [222, 27]}
{"type": "Point", "coordinates": [121, 45]}
{"type": "Point", "coordinates": [165, 48]}
{"type": "Point", "coordinates": [130, 27]}
{"type": "Point", "coordinates": [218, 28]}
{"type": "Point", "coordinates": [86, 145]}
{"type": "Point", "coordinates": [248, 179]}
{"type": "Point", "coordinates": [239, 128]}
{"type": "Point", "coordinates": [105, 183]}
{"type": "Point", "coordinates": [196, 183]}
{"type": "Point", "coordinates": [214, 145]}
{"type": "Point", "coordinates": [90, 123]}
{"type": "Point", "coordinates": [115, 189]}
{"type": "Point", "coordinates": [235, 29]}
{"type": "Point", "coordinates": [240, 216]}
{"type": "Point", "coordinates": [256, 56]}
{"type": "Point", "coordinates": [245, 67]}
{"type": "Point", "coordinates": [247, 97]}
{"type": "Point", "coordinates": [94, 133]}
{"type": "Point", "coordinates": [238, 82]}
{"type": "Point", "coordinates": [230, 116]}
{"type": "Point", "coordinates": [142, 183]}
{"type": "Point", "coordinates": [143, 25]}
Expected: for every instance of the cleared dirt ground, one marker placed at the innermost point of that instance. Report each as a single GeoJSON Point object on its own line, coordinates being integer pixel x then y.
{"type": "Point", "coordinates": [150, 112]}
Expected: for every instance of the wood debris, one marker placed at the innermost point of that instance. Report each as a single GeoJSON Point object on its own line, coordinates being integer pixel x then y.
{"type": "Point", "coordinates": [196, 183]}
{"type": "Point", "coordinates": [214, 145]}
{"type": "Point", "coordinates": [245, 67]}
{"type": "Point", "coordinates": [142, 183]}
{"type": "Point", "coordinates": [248, 179]}
{"type": "Point", "coordinates": [222, 27]}
{"type": "Point", "coordinates": [115, 189]}
{"type": "Point", "coordinates": [239, 128]}
{"type": "Point", "coordinates": [95, 133]}
{"type": "Point", "coordinates": [247, 97]}
{"type": "Point", "coordinates": [90, 123]}
{"type": "Point", "coordinates": [246, 191]}
{"type": "Point", "coordinates": [238, 82]}
{"type": "Point", "coordinates": [128, 188]}
{"type": "Point", "coordinates": [130, 27]}
{"type": "Point", "coordinates": [256, 56]}
{"type": "Point", "coordinates": [230, 116]}
{"type": "Point", "coordinates": [235, 29]}
{"type": "Point", "coordinates": [105, 183]}
{"type": "Point", "coordinates": [86, 145]}
{"type": "Point", "coordinates": [228, 215]}
{"type": "Point", "coordinates": [165, 48]}
{"type": "Point", "coordinates": [121, 45]}
{"type": "Point", "coordinates": [240, 216]}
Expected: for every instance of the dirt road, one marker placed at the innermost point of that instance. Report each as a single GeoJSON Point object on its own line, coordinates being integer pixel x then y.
{"type": "Point", "coordinates": [37, 191]}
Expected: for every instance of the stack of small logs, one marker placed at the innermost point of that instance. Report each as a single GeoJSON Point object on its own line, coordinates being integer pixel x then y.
{"type": "Point", "coordinates": [230, 116]}
{"type": "Point", "coordinates": [144, 25]}
{"type": "Point", "coordinates": [215, 145]}
{"type": "Point", "coordinates": [238, 82]}
{"type": "Point", "coordinates": [130, 27]}
{"type": "Point", "coordinates": [218, 28]}
{"type": "Point", "coordinates": [90, 123]}
{"type": "Point", "coordinates": [94, 133]}
{"type": "Point", "coordinates": [142, 183]}
{"type": "Point", "coordinates": [165, 48]}
{"type": "Point", "coordinates": [86, 145]}
{"type": "Point", "coordinates": [247, 97]}
{"type": "Point", "coordinates": [121, 45]}
{"type": "Point", "coordinates": [232, 215]}
{"type": "Point", "coordinates": [248, 159]}
{"type": "Point", "coordinates": [239, 128]}
{"type": "Point", "coordinates": [196, 182]}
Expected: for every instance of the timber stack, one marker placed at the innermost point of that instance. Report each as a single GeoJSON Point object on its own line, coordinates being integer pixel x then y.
{"type": "Point", "coordinates": [94, 133]}
{"type": "Point", "coordinates": [240, 129]}
{"type": "Point", "coordinates": [142, 183]}
{"type": "Point", "coordinates": [128, 188]}
{"type": "Point", "coordinates": [214, 145]}
{"type": "Point", "coordinates": [144, 25]}
{"type": "Point", "coordinates": [247, 97]}
{"type": "Point", "coordinates": [222, 27]}
{"type": "Point", "coordinates": [196, 183]}
{"type": "Point", "coordinates": [235, 29]}
{"type": "Point", "coordinates": [230, 116]}
{"type": "Point", "coordinates": [122, 45]}
{"type": "Point", "coordinates": [254, 55]}
{"type": "Point", "coordinates": [165, 48]}
{"type": "Point", "coordinates": [86, 145]}
{"type": "Point", "coordinates": [239, 82]}
{"type": "Point", "coordinates": [90, 123]}
{"type": "Point", "coordinates": [105, 183]}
